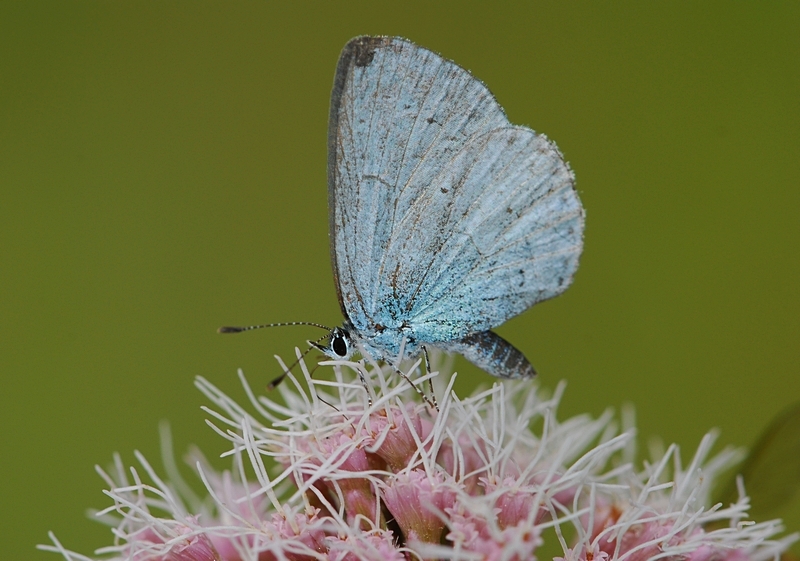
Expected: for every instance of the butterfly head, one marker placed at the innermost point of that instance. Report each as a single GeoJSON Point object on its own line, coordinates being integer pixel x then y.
{"type": "Point", "coordinates": [340, 344]}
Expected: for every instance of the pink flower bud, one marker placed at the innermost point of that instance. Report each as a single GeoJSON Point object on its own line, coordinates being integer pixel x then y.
{"type": "Point", "coordinates": [417, 502]}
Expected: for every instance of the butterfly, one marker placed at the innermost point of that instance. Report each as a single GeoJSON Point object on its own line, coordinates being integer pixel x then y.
{"type": "Point", "coordinates": [445, 220]}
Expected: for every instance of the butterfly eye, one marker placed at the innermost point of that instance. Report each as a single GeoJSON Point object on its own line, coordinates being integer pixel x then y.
{"type": "Point", "coordinates": [339, 343]}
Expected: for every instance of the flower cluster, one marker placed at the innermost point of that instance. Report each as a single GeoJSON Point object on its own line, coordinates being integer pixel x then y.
{"type": "Point", "coordinates": [338, 471]}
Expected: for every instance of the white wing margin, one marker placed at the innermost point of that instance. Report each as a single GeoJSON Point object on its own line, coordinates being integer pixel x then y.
{"type": "Point", "coordinates": [436, 202]}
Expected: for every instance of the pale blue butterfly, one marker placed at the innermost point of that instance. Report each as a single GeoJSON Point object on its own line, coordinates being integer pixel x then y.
{"type": "Point", "coordinates": [445, 219]}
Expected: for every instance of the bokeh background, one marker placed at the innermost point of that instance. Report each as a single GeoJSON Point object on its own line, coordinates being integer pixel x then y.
{"type": "Point", "coordinates": [162, 170]}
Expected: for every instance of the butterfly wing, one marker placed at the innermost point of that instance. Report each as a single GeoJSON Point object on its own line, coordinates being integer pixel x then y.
{"type": "Point", "coordinates": [443, 215]}
{"type": "Point", "coordinates": [510, 236]}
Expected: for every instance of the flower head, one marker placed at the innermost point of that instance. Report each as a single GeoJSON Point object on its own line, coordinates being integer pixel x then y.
{"type": "Point", "coordinates": [336, 473]}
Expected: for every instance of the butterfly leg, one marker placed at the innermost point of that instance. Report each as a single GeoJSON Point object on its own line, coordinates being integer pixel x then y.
{"type": "Point", "coordinates": [419, 391]}
{"type": "Point", "coordinates": [430, 380]}
{"type": "Point", "coordinates": [278, 379]}
{"type": "Point", "coordinates": [366, 386]}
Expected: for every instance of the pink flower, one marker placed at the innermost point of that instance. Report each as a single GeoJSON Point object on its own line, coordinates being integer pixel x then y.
{"type": "Point", "coordinates": [180, 543]}
{"type": "Point", "coordinates": [393, 434]}
{"type": "Point", "coordinates": [477, 534]}
{"type": "Point", "coordinates": [417, 501]}
{"type": "Point", "coordinates": [330, 474]}
{"type": "Point", "coordinates": [357, 492]}
{"type": "Point", "coordinates": [580, 555]}
{"type": "Point", "coordinates": [373, 546]}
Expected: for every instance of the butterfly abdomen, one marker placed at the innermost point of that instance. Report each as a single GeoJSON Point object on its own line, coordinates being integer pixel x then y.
{"type": "Point", "coordinates": [490, 352]}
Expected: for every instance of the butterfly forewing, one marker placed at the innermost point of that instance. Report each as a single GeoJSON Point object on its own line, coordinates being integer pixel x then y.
{"type": "Point", "coordinates": [399, 114]}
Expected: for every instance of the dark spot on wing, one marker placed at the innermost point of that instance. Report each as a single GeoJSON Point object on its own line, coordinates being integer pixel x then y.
{"type": "Point", "coordinates": [364, 49]}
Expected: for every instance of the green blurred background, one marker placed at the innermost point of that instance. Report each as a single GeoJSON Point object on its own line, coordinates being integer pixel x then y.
{"type": "Point", "coordinates": [162, 168]}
